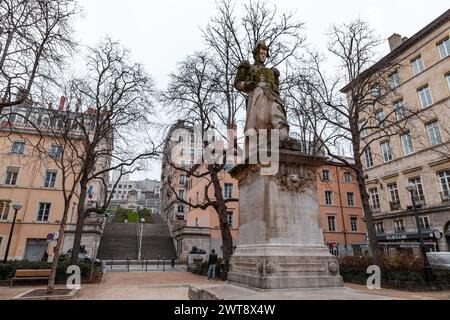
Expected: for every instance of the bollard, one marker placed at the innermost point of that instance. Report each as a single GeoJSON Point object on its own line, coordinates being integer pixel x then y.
{"type": "Point", "coordinates": [172, 262]}
{"type": "Point", "coordinates": [142, 267]}
{"type": "Point", "coordinates": [157, 264]}
{"type": "Point", "coordinates": [128, 264]}
{"type": "Point", "coordinates": [112, 261]}
{"type": "Point", "coordinates": [164, 264]}
{"type": "Point", "coordinates": [146, 265]}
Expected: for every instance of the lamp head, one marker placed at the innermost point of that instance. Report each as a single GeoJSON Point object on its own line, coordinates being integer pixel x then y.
{"type": "Point", "coordinates": [410, 187]}
{"type": "Point", "coordinates": [142, 220]}
{"type": "Point", "coordinates": [17, 206]}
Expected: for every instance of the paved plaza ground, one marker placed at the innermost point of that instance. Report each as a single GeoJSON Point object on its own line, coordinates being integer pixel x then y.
{"type": "Point", "coordinates": [174, 286]}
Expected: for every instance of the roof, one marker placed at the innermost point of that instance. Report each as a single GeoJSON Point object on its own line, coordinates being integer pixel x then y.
{"type": "Point", "coordinates": [438, 22]}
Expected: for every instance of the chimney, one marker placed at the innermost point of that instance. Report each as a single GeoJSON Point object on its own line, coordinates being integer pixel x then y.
{"type": "Point", "coordinates": [62, 103]}
{"type": "Point", "coordinates": [395, 41]}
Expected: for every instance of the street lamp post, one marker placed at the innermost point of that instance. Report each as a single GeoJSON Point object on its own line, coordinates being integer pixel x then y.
{"type": "Point", "coordinates": [411, 187]}
{"type": "Point", "coordinates": [16, 208]}
{"type": "Point", "coordinates": [140, 239]}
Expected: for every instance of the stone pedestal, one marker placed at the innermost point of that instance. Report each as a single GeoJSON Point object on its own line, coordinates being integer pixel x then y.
{"type": "Point", "coordinates": [281, 244]}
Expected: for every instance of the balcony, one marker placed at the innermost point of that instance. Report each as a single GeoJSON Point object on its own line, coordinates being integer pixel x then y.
{"type": "Point", "coordinates": [420, 200]}
{"type": "Point", "coordinates": [395, 205]}
{"type": "Point", "coordinates": [445, 196]}
{"type": "Point", "coordinates": [375, 209]}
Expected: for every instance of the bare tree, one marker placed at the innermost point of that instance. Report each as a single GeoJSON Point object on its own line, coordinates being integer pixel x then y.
{"type": "Point", "coordinates": [231, 37]}
{"type": "Point", "coordinates": [35, 38]}
{"type": "Point", "coordinates": [114, 106]}
{"type": "Point", "coordinates": [361, 117]}
{"type": "Point", "coordinates": [192, 95]}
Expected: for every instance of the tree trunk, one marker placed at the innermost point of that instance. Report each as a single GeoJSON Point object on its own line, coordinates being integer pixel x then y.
{"type": "Point", "coordinates": [373, 241]}
{"type": "Point", "coordinates": [80, 224]}
{"type": "Point", "coordinates": [221, 208]}
{"type": "Point", "coordinates": [57, 250]}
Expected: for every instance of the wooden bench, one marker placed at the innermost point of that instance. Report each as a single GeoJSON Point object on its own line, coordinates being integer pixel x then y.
{"type": "Point", "coordinates": [28, 274]}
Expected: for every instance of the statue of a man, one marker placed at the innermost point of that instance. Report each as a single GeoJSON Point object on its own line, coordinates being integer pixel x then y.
{"type": "Point", "coordinates": [264, 107]}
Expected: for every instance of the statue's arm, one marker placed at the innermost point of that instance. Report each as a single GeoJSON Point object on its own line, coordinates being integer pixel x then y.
{"type": "Point", "coordinates": [276, 74]}
{"type": "Point", "coordinates": [241, 82]}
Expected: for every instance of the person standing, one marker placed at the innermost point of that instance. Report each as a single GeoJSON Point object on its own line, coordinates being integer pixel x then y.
{"type": "Point", "coordinates": [212, 262]}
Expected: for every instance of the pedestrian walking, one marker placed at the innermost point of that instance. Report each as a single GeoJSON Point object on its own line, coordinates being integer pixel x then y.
{"type": "Point", "coordinates": [212, 262]}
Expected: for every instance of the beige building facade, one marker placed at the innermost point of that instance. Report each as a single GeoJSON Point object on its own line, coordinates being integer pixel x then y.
{"type": "Point", "coordinates": [419, 154]}
{"type": "Point", "coordinates": [34, 181]}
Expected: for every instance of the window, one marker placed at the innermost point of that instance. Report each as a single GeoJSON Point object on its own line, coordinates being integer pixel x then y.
{"type": "Point", "coordinates": [130, 186]}
{"type": "Point", "coordinates": [44, 211]}
{"type": "Point", "coordinates": [379, 227]}
{"type": "Point", "coordinates": [326, 175]}
{"type": "Point", "coordinates": [418, 193]}
{"type": "Point", "coordinates": [425, 223]}
{"type": "Point", "coordinates": [376, 91]}
{"type": "Point", "coordinates": [368, 158]}
{"type": "Point", "coordinates": [417, 65]}
{"type": "Point", "coordinates": [328, 197]}
{"type": "Point", "coordinates": [50, 179]}
{"type": "Point", "coordinates": [180, 209]}
{"type": "Point", "coordinates": [444, 48]}
{"type": "Point", "coordinates": [425, 96]}
{"type": "Point", "coordinates": [386, 151]}
{"type": "Point", "coordinates": [381, 119]}
{"type": "Point", "coordinates": [197, 198]}
{"type": "Point", "coordinates": [11, 176]}
{"type": "Point", "coordinates": [120, 186]}
{"type": "Point", "coordinates": [228, 191]}
{"type": "Point", "coordinates": [332, 223]}
{"type": "Point", "coordinates": [5, 206]}
{"type": "Point", "coordinates": [448, 80]}
{"type": "Point", "coordinates": [181, 194]}
{"type": "Point", "coordinates": [374, 198]}
{"type": "Point", "coordinates": [400, 109]}
{"type": "Point", "coordinates": [393, 192]}
{"type": "Point", "coordinates": [351, 199]}
{"type": "Point", "coordinates": [55, 151]}
{"type": "Point", "coordinates": [434, 134]}
{"type": "Point", "coordinates": [408, 147]}
{"type": "Point", "coordinates": [230, 218]}
{"type": "Point", "coordinates": [444, 178]}
{"type": "Point", "coordinates": [399, 226]}
{"type": "Point", "coordinates": [364, 131]}
{"type": "Point", "coordinates": [182, 179]}
{"type": "Point", "coordinates": [18, 147]}
{"type": "Point", "coordinates": [354, 224]}
{"type": "Point", "coordinates": [394, 80]}
{"type": "Point", "coordinates": [348, 177]}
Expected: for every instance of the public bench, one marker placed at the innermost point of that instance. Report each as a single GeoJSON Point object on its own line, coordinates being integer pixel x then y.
{"type": "Point", "coordinates": [29, 274]}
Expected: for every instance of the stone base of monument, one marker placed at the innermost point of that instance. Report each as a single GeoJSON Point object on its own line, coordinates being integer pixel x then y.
{"type": "Point", "coordinates": [284, 267]}
{"type": "Point", "coordinates": [281, 244]}
{"type": "Point", "coordinates": [234, 292]}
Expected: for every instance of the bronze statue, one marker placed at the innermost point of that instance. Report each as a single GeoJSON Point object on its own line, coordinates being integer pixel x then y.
{"type": "Point", "coordinates": [265, 109]}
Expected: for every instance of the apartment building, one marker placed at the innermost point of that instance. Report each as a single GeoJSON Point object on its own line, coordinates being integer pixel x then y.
{"type": "Point", "coordinates": [33, 180]}
{"type": "Point", "coordinates": [202, 228]}
{"type": "Point", "coordinates": [341, 213]}
{"type": "Point", "coordinates": [420, 153]}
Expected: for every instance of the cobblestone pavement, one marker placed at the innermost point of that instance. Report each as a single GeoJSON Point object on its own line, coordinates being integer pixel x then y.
{"type": "Point", "coordinates": [174, 286]}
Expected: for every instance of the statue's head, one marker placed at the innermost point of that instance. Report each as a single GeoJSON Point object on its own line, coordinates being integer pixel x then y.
{"type": "Point", "coordinates": [261, 52]}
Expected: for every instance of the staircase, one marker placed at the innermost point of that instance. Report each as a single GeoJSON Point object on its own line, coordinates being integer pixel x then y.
{"type": "Point", "coordinates": [156, 240]}
{"type": "Point", "coordinates": [118, 242]}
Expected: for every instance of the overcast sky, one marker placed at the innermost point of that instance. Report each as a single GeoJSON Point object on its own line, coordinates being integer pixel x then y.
{"type": "Point", "coordinates": [161, 33]}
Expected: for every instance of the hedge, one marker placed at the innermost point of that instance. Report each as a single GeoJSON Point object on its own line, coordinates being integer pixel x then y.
{"type": "Point", "coordinates": [400, 269]}
{"type": "Point", "coordinates": [7, 270]}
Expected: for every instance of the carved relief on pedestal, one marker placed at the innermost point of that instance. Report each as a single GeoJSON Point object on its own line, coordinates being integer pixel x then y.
{"type": "Point", "coordinates": [333, 267]}
{"type": "Point", "coordinates": [270, 267]}
{"type": "Point", "coordinates": [260, 267]}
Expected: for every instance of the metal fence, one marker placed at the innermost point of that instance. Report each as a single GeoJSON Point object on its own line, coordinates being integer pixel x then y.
{"type": "Point", "coordinates": [402, 285]}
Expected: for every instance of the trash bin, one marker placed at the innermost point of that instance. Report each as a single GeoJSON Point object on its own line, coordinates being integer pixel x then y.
{"type": "Point", "coordinates": [172, 262]}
